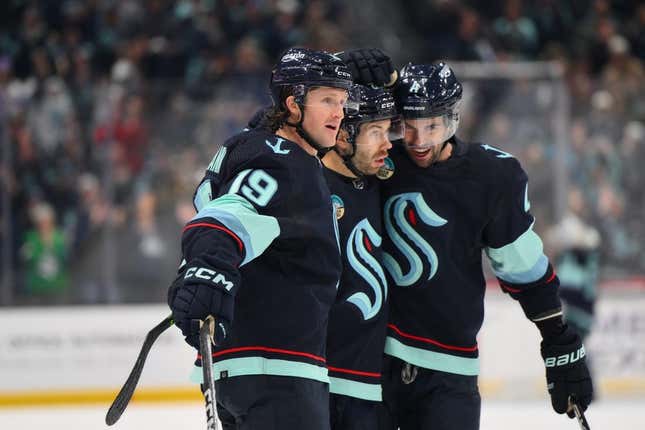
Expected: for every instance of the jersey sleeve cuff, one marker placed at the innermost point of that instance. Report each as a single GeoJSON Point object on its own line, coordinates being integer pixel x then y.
{"type": "Point", "coordinates": [539, 299]}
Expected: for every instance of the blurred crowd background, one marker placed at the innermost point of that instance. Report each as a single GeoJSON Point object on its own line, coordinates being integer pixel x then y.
{"type": "Point", "coordinates": [110, 110]}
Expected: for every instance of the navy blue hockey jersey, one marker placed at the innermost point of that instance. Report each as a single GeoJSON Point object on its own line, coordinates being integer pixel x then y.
{"type": "Point", "coordinates": [358, 319]}
{"type": "Point", "coordinates": [438, 221]}
{"type": "Point", "coordinates": [272, 197]}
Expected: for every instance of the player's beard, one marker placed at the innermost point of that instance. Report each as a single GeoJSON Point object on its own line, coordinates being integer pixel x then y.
{"type": "Point", "coordinates": [436, 154]}
{"type": "Point", "coordinates": [428, 159]}
{"type": "Point", "coordinates": [365, 164]}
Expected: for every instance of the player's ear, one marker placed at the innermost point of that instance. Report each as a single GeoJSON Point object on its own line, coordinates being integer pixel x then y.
{"type": "Point", "coordinates": [294, 109]}
{"type": "Point", "coordinates": [342, 143]}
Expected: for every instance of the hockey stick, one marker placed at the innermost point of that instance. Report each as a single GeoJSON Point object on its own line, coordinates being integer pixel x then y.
{"type": "Point", "coordinates": [206, 339]}
{"type": "Point", "coordinates": [580, 415]}
{"type": "Point", "coordinates": [123, 398]}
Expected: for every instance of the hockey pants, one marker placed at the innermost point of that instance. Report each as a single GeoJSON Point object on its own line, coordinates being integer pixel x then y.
{"type": "Point", "coordinates": [267, 402]}
{"type": "Point", "coordinates": [433, 400]}
{"type": "Point", "coordinates": [350, 413]}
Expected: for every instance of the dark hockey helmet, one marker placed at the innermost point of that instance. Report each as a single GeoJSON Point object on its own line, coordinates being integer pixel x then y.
{"type": "Point", "coordinates": [303, 68]}
{"type": "Point", "coordinates": [428, 90]}
{"type": "Point", "coordinates": [374, 104]}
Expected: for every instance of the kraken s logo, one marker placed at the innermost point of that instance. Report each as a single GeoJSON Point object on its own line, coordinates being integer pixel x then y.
{"type": "Point", "coordinates": [359, 246]}
{"type": "Point", "coordinates": [395, 222]}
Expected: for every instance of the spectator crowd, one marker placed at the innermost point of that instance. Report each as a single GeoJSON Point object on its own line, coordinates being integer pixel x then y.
{"type": "Point", "coordinates": [111, 109]}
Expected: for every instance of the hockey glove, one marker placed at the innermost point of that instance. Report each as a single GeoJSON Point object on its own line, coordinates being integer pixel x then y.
{"type": "Point", "coordinates": [369, 67]}
{"type": "Point", "coordinates": [176, 285]}
{"type": "Point", "coordinates": [201, 292]}
{"type": "Point", "coordinates": [566, 371]}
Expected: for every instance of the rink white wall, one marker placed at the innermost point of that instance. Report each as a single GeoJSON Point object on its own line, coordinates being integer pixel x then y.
{"type": "Point", "coordinates": [85, 353]}
{"type": "Point", "coordinates": [510, 355]}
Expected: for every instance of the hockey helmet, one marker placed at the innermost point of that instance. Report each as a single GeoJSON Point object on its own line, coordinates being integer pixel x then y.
{"type": "Point", "coordinates": [429, 91]}
{"type": "Point", "coordinates": [300, 70]}
{"type": "Point", "coordinates": [303, 68]}
{"type": "Point", "coordinates": [374, 104]}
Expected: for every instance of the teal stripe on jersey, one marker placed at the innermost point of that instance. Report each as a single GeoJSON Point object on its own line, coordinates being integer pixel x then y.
{"type": "Point", "coordinates": [359, 390]}
{"type": "Point", "coordinates": [262, 366]}
{"type": "Point", "coordinates": [216, 163]}
{"type": "Point", "coordinates": [520, 262]}
{"type": "Point", "coordinates": [431, 359]}
{"type": "Point", "coordinates": [202, 195]}
{"type": "Point", "coordinates": [238, 215]}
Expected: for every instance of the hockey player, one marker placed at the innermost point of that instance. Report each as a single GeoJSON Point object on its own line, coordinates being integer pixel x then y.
{"type": "Point", "coordinates": [357, 322]}
{"type": "Point", "coordinates": [262, 257]}
{"type": "Point", "coordinates": [575, 244]}
{"type": "Point", "coordinates": [446, 202]}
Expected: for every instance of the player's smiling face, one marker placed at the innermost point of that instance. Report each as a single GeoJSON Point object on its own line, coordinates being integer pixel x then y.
{"type": "Point", "coordinates": [372, 146]}
{"type": "Point", "coordinates": [323, 114]}
{"type": "Point", "coordinates": [424, 139]}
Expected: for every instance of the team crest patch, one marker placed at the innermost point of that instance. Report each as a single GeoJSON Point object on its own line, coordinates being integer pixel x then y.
{"type": "Point", "coordinates": [387, 169]}
{"type": "Point", "coordinates": [339, 206]}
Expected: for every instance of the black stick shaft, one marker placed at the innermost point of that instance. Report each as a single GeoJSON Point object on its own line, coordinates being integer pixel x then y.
{"type": "Point", "coordinates": [580, 416]}
{"type": "Point", "coordinates": [579, 413]}
{"type": "Point", "coordinates": [206, 333]}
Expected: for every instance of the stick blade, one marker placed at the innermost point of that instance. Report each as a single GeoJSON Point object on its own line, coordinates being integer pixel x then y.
{"type": "Point", "coordinates": [125, 394]}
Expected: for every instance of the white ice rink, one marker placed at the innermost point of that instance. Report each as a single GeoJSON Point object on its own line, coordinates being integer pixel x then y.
{"type": "Point", "coordinates": [524, 415]}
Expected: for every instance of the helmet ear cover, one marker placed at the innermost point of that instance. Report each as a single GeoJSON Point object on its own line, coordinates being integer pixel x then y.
{"type": "Point", "coordinates": [353, 131]}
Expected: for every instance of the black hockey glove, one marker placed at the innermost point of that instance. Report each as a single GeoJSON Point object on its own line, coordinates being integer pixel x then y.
{"type": "Point", "coordinates": [176, 285]}
{"type": "Point", "coordinates": [566, 371]}
{"type": "Point", "coordinates": [198, 292]}
{"type": "Point", "coordinates": [369, 66]}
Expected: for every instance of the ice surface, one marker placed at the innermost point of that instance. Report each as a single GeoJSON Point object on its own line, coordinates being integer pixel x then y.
{"type": "Point", "coordinates": [496, 415]}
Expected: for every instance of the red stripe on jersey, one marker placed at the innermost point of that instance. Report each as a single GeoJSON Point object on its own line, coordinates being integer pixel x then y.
{"type": "Point", "coordinates": [517, 290]}
{"type": "Point", "coordinates": [551, 278]}
{"type": "Point", "coordinates": [217, 227]}
{"type": "Point", "coordinates": [432, 341]}
{"type": "Point", "coordinates": [509, 289]}
{"type": "Point", "coordinates": [354, 372]}
{"type": "Point", "coordinates": [267, 349]}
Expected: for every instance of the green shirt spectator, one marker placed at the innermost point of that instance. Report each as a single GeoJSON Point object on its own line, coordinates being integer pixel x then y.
{"type": "Point", "coordinates": [44, 255]}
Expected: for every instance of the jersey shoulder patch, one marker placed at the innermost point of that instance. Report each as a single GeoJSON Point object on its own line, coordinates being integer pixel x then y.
{"type": "Point", "coordinates": [260, 144]}
{"type": "Point", "coordinates": [257, 156]}
{"type": "Point", "coordinates": [501, 165]}
{"type": "Point", "coordinates": [495, 152]}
